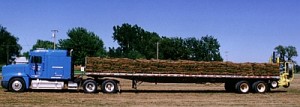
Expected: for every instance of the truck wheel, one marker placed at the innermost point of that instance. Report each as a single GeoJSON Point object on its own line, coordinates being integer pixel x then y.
{"type": "Point", "coordinates": [287, 86]}
{"type": "Point", "coordinates": [109, 86]}
{"type": "Point", "coordinates": [90, 86]}
{"type": "Point", "coordinates": [260, 87]}
{"type": "Point", "coordinates": [16, 85]}
{"type": "Point", "coordinates": [273, 84]}
{"type": "Point", "coordinates": [242, 87]}
{"type": "Point", "coordinates": [229, 87]}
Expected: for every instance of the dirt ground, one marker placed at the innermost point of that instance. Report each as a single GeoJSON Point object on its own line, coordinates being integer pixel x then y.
{"type": "Point", "coordinates": [149, 94]}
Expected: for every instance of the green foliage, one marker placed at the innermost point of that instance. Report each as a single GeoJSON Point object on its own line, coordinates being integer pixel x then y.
{"type": "Point", "coordinates": [280, 50]}
{"type": "Point", "coordinates": [115, 53]}
{"type": "Point", "coordinates": [84, 44]}
{"type": "Point", "coordinates": [25, 54]}
{"type": "Point", "coordinates": [286, 52]}
{"type": "Point", "coordinates": [206, 49]}
{"type": "Point", "coordinates": [135, 55]}
{"type": "Point", "coordinates": [43, 44]}
{"type": "Point", "coordinates": [8, 45]}
{"type": "Point", "coordinates": [1, 68]}
{"type": "Point", "coordinates": [134, 39]}
{"type": "Point", "coordinates": [291, 52]}
{"type": "Point", "coordinates": [172, 48]}
{"type": "Point", "coordinates": [210, 49]}
{"type": "Point", "coordinates": [135, 42]}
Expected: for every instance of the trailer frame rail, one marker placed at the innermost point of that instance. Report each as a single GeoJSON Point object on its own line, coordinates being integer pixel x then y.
{"type": "Point", "coordinates": [177, 75]}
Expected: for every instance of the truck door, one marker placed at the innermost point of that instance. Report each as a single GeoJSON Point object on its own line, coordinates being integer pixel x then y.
{"type": "Point", "coordinates": [36, 65]}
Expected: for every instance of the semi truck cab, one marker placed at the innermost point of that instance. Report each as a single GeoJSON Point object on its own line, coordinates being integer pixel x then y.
{"type": "Point", "coordinates": [47, 69]}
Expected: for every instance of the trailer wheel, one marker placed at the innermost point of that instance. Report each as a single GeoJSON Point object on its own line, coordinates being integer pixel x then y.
{"type": "Point", "coordinates": [90, 86]}
{"type": "Point", "coordinates": [16, 85]}
{"type": "Point", "coordinates": [109, 86]}
{"type": "Point", "coordinates": [242, 87]}
{"type": "Point", "coordinates": [229, 87]}
{"type": "Point", "coordinates": [260, 87]}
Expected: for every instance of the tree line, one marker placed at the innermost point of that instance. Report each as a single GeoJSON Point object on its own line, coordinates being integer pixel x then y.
{"type": "Point", "coordinates": [134, 42]}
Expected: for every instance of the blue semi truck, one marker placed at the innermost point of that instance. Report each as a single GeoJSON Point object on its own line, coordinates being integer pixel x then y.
{"type": "Point", "coordinates": [53, 69]}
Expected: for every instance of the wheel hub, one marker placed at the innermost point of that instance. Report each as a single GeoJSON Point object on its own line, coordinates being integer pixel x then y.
{"type": "Point", "coordinates": [261, 87]}
{"type": "Point", "coordinates": [109, 87]}
{"type": "Point", "coordinates": [90, 87]}
{"type": "Point", "coordinates": [244, 87]}
{"type": "Point", "coordinates": [17, 85]}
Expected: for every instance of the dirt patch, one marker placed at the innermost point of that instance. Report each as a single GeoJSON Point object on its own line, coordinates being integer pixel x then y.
{"type": "Point", "coordinates": [149, 94]}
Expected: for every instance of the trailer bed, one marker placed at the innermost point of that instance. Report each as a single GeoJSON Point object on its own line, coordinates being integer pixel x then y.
{"type": "Point", "coordinates": [179, 78]}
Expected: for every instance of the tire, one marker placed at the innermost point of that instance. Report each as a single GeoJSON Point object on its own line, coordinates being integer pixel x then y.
{"type": "Point", "coordinates": [109, 86]}
{"type": "Point", "coordinates": [260, 87]}
{"type": "Point", "coordinates": [17, 85]}
{"type": "Point", "coordinates": [229, 87]}
{"type": "Point", "coordinates": [90, 86]}
{"type": "Point", "coordinates": [287, 86]}
{"type": "Point", "coordinates": [242, 87]}
{"type": "Point", "coordinates": [273, 84]}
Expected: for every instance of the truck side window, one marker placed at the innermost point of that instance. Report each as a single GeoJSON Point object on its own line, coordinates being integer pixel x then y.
{"type": "Point", "coordinates": [36, 59]}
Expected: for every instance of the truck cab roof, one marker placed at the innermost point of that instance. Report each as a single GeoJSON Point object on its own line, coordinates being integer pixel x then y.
{"type": "Point", "coordinates": [49, 52]}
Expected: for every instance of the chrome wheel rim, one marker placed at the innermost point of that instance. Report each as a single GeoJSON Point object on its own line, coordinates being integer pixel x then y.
{"type": "Point", "coordinates": [109, 87]}
{"type": "Point", "coordinates": [17, 85]}
{"type": "Point", "coordinates": [244, 87]}
{"type": "Point", "coordinates": [261, 87]}
{"type": "Point", "coordinates": [90, 87]}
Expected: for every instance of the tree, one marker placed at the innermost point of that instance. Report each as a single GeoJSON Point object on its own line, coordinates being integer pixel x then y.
{"type": "Point", "coordinates": [291, 52]}
{"type": "Point", "coordinates": [194, 49]}
{"type": "Point", "coordinates": [84, 43]}
{"type": "Point", "coordinates": [280, 50]}
{"type": "Point", "coordinates": [210, 49]}
{"type": "Point", "coordinates": [286, 52]}
{"type": "Point", "coordinates": [206, 49]}
{"type": "Point", "coordinates": [172, 48]}
{"type": "Point", "coordinates": [8, 46]}
{"type": "Point", "coordinates": [115, 53]}
{"type": "Point", "coordinates": [135, 42]}
{"type": "Point", "coordinates": [134, 39]}
{"type": "Point", "coordinates": [43, 44]}
{"type": "Point", "coordinates": [25, 54]}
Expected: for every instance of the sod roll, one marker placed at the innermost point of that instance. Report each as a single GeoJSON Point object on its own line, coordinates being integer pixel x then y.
{"type": "Point", "coordinates": [124, 65]}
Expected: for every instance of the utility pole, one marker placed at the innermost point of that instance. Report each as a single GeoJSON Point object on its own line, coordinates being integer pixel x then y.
{"type": "Point", "coordinates": [54, 36]}
{"type": "Point", "coordinates": [157, 50]}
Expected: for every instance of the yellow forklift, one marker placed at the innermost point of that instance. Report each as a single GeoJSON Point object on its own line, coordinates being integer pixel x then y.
{"type": "Point", "coordinates": [287, 70]}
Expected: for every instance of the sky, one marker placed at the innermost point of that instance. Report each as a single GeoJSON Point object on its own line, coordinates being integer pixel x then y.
{"type": "Point", "coordinates": [247, 30]}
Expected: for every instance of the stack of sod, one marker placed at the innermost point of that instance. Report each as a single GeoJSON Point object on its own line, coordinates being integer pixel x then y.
{"type": "Point", "coordinates": [124, 65]}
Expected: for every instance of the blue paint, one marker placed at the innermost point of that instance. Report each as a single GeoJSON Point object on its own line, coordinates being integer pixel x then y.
{"type": "Point", "coordinates": [43, 64]}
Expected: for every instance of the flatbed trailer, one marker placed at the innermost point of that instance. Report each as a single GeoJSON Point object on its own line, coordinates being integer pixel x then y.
{"type": "Point", "coordinates": [53, 69]}
{"type": "Point", "coordinates": [244, 86]}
